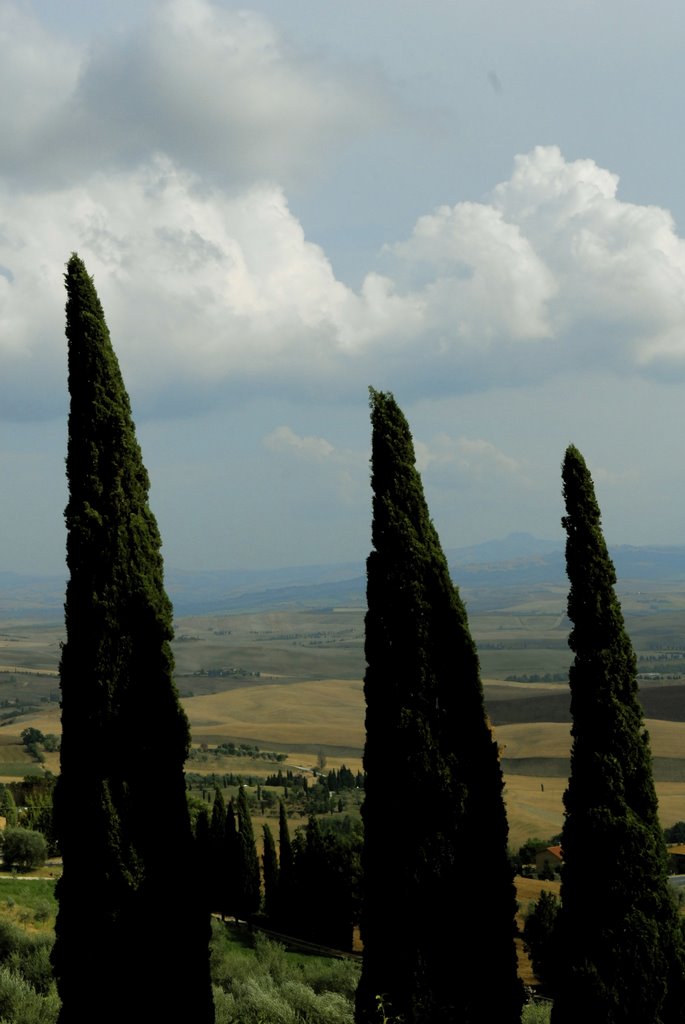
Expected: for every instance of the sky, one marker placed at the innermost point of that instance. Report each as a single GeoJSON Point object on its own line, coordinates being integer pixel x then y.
{"type": "Point", "coordinates": [478, 206]}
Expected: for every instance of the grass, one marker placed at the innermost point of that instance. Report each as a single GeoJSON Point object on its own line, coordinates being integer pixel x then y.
{"type": "Point", "coordinates": [28, 902]}
{"type": "Point", "coordinates": [536, 1013]}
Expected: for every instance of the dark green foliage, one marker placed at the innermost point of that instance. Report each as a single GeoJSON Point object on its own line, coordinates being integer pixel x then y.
{"type": "Point", "coordinates": [676, 833]}
{"type": "Point", "coordinates": [38, 815]}
{"type": "Point", "coordinates": [248, 885]}
{"type": "Point", "coordinates": [531, 847]}
{"type": "Point", "coordinates": [122, 888]}
{"type": "Point", "coordinates": [202, 861]}
{"type": "Point", "coordinates": [327, 870]}
{"type": "Point", "coordinates": [341, 780]}
{"type": "Point", "coordinates": [317, 894]}
{"type": "Point", "coordinates": [218, 868]}
{"type": "Point", "coordinates": [434, 942]}
{"type": "Point", "coordinates": [268, 985]}
{"type": "Point", "coordinates": [231, 868]}
{"type": "Point", "coordinates": [31, 736]}
{"type": "Point", "coordinates": [8, 807]}
{"type": "Point", "coordinates": [285, 901]}
{"type": "Point", "coordinates": [619, 942]}
{"type": "Point", "coordinates": [23, 848]}
{"type": "Point", "coordinates": [27, 989]}
{"type": "Point", "coordinates": [538, 937]}
{"type": "Point", "coordinates": [270, 872]}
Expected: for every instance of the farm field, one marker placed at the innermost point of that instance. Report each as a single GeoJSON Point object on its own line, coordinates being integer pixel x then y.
{"type": "Point", "coordinates": [289, 680]}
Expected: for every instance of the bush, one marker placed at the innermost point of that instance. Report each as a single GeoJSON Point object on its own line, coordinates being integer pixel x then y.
{"type": "Point", "coordinates": [23, 848]}
{"type": "Point", "coordinates": [538, 936]}
{"type": "Point", "coordinates": [32, 963]}
{"type": "Point", "coordinates": [536, 1013]}
{"type": "Point", "coordinates": [271, 986]}
{"type": "Point", "coordinates": [21, 1004]}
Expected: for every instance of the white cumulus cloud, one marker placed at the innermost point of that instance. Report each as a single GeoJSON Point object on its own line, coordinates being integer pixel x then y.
{"type": "Point", "coordinates": [213, 293]}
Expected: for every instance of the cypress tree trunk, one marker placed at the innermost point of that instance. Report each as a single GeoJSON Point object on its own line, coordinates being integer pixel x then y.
{"type": "Point", "coordinates": [131, 934]}
{"type": "Point", "coordinates": [618, 937]}
{"type": "Point", "coordinates": [439, 906]}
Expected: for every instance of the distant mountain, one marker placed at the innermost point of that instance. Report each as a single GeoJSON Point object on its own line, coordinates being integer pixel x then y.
{"type": "Point", "coordinates": [318, 586]}
{"type": "Point", "coordinates": [519, 560]}
{"type": "Point", "coordinates": [31, 596]}
{"type": "Point", "coordinates": [514, 546]}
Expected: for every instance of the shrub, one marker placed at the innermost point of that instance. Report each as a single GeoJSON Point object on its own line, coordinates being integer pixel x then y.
{"type": "Point", "coordinates": [270, 986]}
{"type": "Point", "coordinates": [536, 1013]}
{"type": "Point", "coordinates": [23, 848]}
{"type": "Point", "coordinates": [32, 962]}
{"type": "Point", "coordinates": [21, 1004]}
{"type": "Point", "coordinates": [538, 936]}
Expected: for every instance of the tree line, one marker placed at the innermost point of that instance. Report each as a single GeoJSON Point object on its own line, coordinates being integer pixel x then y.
{"type": "Point", "coordinates": [438, 949]}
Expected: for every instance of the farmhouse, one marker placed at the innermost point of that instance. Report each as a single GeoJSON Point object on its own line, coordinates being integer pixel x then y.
{"type": "Point", "coordinates": [549, 858]}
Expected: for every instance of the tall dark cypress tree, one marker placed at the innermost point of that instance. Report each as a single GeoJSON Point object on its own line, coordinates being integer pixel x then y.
{"type": "Point", "coordinates": [131, 935]}
{"type": "Point", "coordinates": [248, 881]}
{"type": "Point", "coordinates": [219, 843]}
{"type": "Point", "coordinates": [270, 872]}
{"type": "Point", "coordinates": [437, 947]}
{"type": "Point", "coordinates": [230, 870]}
{"type": "Point", "coordinates": [285, 911]}
{"type": "Point", "coordinates": [619, 944]}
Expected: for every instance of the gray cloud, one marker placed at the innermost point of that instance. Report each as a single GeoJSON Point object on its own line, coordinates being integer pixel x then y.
{"type": "Point", "coordinates": [217, 89]}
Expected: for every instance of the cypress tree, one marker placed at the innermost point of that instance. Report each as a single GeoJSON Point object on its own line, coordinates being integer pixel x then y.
{"type": "Point", "coordinates": [203, 858]}
{"type": "Point", "coordinates": [8, 807]}
{"type": "Point", "coordinates": [285, 903]}
{"type": "Point", "coordinates": [619, 943]}
{"type": "Point", "coordinates": [249, 885]}
{"type": "Point", "coordinates": [121, 810]}
{"type": "Point", "coordinates": [437, 947]}
{"type": "Point", "coordinates": [231, 865]}
{"type": "Point", "coordinates": [327, 885]}
{"type": "Point", "coordinates": [270, 872]}
{"type": "Point", "coordinates": [219, 844]}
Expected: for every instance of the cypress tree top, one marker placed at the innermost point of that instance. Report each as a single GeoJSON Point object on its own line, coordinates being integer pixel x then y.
{"type": "Point", "coordinates": [432, 763]}
{"type": "Point", "coordinates": [619, 943]}
{"type": "Point", "coordinates": [124, 733]}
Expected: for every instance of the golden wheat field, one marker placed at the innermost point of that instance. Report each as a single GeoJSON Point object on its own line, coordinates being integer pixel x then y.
{"type": "Point", "coordinates": [304, 718]}
{"type": "Point", "coordinates": [328, 715]}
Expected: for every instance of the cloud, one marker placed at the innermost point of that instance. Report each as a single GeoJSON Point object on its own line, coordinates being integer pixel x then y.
{"type": "Point", "coordinates": [612, 478]}
{"type": "Point", "coordinates": [213, 291]}
{"type": "Point", "coordinates": [38, 75]}
{"type": "Point", "coordinates": [486, 282]}
{"type": "Point", "coordinates": [341, 473]}
{"type": "Point", "coordinates": [284, 439]}
{"type": "Point", "coordinates": [446, 457]}
{"type": "Point", "coordinates": [218, 90]}
{"type": "Point", "coordinates": [620, 267]}
{"type": "Point", "coordinates": [203, 291]}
